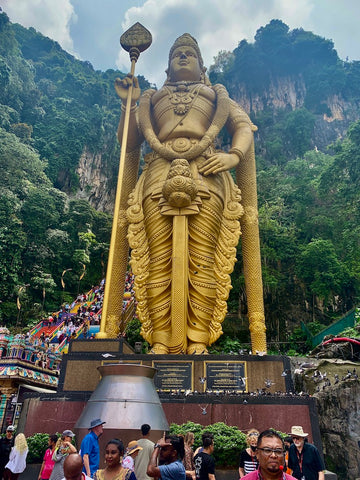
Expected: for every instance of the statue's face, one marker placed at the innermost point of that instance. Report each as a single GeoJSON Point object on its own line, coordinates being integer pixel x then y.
{"type": "Point", "coordinates": [184, 65]}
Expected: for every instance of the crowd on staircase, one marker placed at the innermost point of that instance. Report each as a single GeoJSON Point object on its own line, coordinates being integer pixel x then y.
{"type": "Point", "coordinates": [44, 344]}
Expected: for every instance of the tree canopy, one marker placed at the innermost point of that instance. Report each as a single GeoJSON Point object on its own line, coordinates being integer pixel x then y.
{"type": "Point", "coordinates": [54, 107]}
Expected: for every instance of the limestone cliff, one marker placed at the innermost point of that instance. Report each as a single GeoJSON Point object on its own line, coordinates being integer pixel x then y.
{"type": "Point", "coordinates": [289, 93]}
{"type": "Point", "coordinates": [284, 93]}
{"type": "Point", "coordinates": [338, 408]}
{"type": "Point", "coordinates": [94, 182]}
{"type": "Point", "coordinates": [334, 383]}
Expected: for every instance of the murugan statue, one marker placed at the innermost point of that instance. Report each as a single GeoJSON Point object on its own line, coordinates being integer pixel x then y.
{"type": "Point", "coordinates": [185, 211]}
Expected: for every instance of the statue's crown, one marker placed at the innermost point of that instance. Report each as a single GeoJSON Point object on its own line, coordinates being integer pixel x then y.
{"type": "Point", "coordinates": [187, 40]}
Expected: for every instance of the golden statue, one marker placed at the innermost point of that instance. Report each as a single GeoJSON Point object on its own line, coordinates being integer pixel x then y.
{"type": "Point", "coordinates": [185, 211]}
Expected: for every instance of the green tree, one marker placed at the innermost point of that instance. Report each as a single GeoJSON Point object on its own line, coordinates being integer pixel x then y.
{"type": "Point", "coordinates": [298, 128]}
{"type": "Point", "coordinates": [319, 268]}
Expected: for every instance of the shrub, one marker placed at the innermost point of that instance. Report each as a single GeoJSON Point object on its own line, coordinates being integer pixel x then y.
{"type": "Point", "coordinates": [228, 441]}
{"type": "Point", "coordinates": [37, 443]}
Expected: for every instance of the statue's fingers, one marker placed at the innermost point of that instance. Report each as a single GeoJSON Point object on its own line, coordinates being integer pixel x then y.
{"type": "Point", "coordinates": [210, 169]}
{"type": "Point", "coordinates": [136, 82]}
{"type": "Point", "coordinates": [214, 160]}
{"type": "Point", "coordinates": [128, 81]}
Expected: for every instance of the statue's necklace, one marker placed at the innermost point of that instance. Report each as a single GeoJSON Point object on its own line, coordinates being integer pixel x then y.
{"type": "Point", "coordinates": [182, 97]}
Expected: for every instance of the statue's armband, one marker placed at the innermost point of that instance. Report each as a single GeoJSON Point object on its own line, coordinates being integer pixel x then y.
{"type": "Point", "coordinates": [238, 119]}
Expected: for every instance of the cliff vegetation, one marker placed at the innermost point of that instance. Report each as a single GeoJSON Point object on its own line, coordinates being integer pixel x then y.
{"type": "Point", "coordinates": [59, 159]}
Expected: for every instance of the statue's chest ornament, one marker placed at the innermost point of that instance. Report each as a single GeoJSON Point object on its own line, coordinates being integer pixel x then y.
{"type": "Point", "coordinates": [181, 98]}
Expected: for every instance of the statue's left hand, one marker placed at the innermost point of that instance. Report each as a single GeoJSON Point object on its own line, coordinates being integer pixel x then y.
{"type": "Point", "coordinates": [220, 162]}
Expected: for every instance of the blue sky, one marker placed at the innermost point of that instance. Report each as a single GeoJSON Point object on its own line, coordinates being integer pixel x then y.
{"type": "Point", "coordinates": [90, 29]}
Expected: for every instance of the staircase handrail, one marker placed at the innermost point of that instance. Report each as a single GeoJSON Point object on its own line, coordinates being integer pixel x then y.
{"type": "Point", "coordinates": [347, 320]}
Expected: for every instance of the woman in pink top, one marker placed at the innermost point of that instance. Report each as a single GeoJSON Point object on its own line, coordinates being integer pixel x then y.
{"type": "Point", "coordinates": [131, 453]}
{"type": "Point", "coordinates": [48, 463]}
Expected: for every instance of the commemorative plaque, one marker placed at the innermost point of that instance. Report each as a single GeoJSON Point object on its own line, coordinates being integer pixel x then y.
{"type": "Point", "coordinates": [225, 376]}
{"type": "Point", "coordinates": [174, 375]}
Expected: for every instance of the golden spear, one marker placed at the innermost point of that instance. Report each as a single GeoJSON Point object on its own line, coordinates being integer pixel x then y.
{"type": "Point", "coordinates": [135, 40]}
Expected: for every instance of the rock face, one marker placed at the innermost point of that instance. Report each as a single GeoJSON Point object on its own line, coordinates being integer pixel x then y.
{"type": "Point", "coordinates": [289, 93]}
{"type": "Point", "coordinates": [339, 419]}
{"type": "Point", "coordinates": [284, 93]}
{"type": "Point", "coordinates": [337, 391]}
{"type": "Point", "coordinates": [93, 182]}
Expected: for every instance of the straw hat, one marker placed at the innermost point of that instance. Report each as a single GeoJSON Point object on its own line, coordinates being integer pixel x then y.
{"type": "Point", "coordinates": [133, 447]}
{"type": "Point", "coordinates": [298, 431]}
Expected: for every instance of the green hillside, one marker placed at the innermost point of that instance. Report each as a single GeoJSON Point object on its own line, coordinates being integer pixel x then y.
{"type": "Point", "coordinates": [53, 107]}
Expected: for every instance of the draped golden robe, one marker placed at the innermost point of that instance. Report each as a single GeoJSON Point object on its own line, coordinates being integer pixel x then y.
{"type": "Point", "coordinates": [213, 232]}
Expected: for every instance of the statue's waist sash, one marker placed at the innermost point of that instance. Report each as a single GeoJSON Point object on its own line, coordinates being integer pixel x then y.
{"type": "Point", "coordinates": [180, 146]}
{"type": "Point", "coordinates": [157, 167]}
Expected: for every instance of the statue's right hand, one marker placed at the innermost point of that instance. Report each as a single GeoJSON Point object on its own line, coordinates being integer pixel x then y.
{"type": "Point", "coordinates": [122, 86]}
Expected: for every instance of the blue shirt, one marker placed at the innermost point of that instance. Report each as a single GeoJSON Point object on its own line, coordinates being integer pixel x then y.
{"type": "Point", "coordinates": [173, 471]}
{"type": "Point", "coordinates": [90, 447]}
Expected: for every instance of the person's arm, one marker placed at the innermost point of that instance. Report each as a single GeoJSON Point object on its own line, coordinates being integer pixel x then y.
{"type": "Point", "coordinates": [241, 465]}
{"type": "Point", "coordinates": [318, 463]}
{"type": "Point", "coordinates": [41, 469]}
{"type": "Point", "coordinates": [152, 468]}
{"type": "Point", "coordinates": [211, 469]}
{"type": "Point", "coordinates": [190, 473]}
{"type": "Point", "coordinates": [70, 447]}
{"type": "Point", "coordinates": [87, 464]}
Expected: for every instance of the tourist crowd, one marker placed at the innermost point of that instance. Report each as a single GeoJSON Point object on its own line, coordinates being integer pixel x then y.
{"type": "Point", "coordinates": [267, 457]}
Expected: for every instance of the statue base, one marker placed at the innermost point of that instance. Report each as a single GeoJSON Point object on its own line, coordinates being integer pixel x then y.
{"type": "Point", "coordinates": [241, 390]}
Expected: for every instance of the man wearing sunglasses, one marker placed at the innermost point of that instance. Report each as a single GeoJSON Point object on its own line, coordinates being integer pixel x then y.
{"type": "Point", "coordinates": [304, 458]}
{"type": "Point", "coordinates": [270, 452]}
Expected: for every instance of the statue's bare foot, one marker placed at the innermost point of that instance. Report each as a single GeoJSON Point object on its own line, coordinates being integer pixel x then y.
{"type": "Point", "coordinates": [196, 349]}
{"type": "Point", "coordinates": [159, 349]}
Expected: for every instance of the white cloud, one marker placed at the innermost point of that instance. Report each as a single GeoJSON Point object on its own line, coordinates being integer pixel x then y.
{"type": "Point", "coordinates": [217, 25]}
{"type": "Point", "coordinates": [51, 18]}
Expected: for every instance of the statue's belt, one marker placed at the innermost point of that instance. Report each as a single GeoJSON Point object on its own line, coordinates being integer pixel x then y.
{"type": "Point", "coordinates": [180, 146]}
